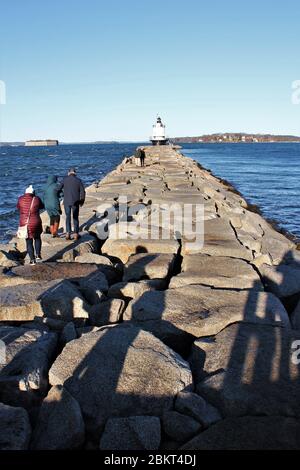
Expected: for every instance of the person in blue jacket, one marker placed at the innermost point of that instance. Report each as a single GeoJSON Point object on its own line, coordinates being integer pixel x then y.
{"type": "Point", "coordinates": [52, 193]}
{"type": "Point", "coordinates": [74, 197]}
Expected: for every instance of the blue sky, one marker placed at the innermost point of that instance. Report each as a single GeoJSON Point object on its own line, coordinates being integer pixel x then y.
{"type": "Point", "coordinates": [101, 70]}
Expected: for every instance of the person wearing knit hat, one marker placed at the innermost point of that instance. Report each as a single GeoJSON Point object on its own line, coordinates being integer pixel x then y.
{"type": "Point", "coordinates": [29, 206]}
{"type": "Point", "coordinates": [29, 190]}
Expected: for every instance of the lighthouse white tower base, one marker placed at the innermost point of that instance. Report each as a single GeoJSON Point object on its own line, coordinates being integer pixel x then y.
{"type": "Point", "coordinates": [159, 133]}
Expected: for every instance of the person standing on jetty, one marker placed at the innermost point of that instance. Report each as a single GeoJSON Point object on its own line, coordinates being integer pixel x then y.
{"type": "Point", "coordinates": [140, 153]}
{"type": "Point", "coordinates": [74, 197]}
{"type": "Point", "coordinates": [52, 192]}
{"type": "Point", "coordinates": [29, 206]}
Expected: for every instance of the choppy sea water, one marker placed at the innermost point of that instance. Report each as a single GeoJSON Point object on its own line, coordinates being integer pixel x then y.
{"type": "Point", "coordinates": [266, 174]}
{"type": "Point", "coordinates": [21, 166]}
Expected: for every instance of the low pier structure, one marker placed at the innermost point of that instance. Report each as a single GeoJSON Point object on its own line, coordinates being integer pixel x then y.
{"type": "Point", "coordinates": [139, 339]}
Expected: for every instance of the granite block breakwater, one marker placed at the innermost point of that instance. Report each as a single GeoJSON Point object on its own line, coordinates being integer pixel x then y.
{"type": "Point", "coordinates": [183, 340]}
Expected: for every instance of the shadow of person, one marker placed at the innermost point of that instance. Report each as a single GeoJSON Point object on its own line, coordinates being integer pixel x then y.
{"type": "Point", "coordinates": [248, 369]}
{"type": "Point", "coordinates": [121, 370]}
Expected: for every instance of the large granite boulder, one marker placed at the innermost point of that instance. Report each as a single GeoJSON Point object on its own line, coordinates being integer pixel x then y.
{"type": "Point", "coordinates": [68, 333]}
{"type": "Point", "coordinates": [191, 404]}
{"type": "Point", "coordinates": [123, 249]}
{"type": "Point", "coordinates": [249, 433]}
{"type": "Point", "coordinates": [249, 369]}
{"type": "Point", "coordinates": [86, 244]}
{"type": "Point", "coordinates": [15, 429]}
{"type": "Point", "coordinates": [282, 280]}
{"type": "Point", "coordinates": [275, 244]}
{"type": "Point", "coordinates": [132, 433]}
{"type": "Point", "coordinates": [219, 240]}
{"type": "Point", "coordinates": [26, 358]}
{"type": "Point", "coordinates": [148, 266]}
{"type": "Point", "coordinates": [249, 241]}
{"type": "Point", "coordinates": [59, 424]}
{"type": "Point", "coordinates": [173, 314]}
{"type": "Point", "coordinates": [106, 312]}
{"type": "Point", "coordinates": [94, 287]}
{"type": "Point", "coordinates": [133, 290]}
{"type": "Point", "coordinates": [214, 271]}
{"type": "Point", "coordinates": [217, 247]}
{"type": "Point", "coordinates": [112, 272]}
{"type": "Point", "coordinates": [93, 258]}
{"type": "Point", "coordinates": [180, 427]}
{"type": "Point", "coordinates": [120, 371]}
{"type": "Point", "coordinates": [58, 299]}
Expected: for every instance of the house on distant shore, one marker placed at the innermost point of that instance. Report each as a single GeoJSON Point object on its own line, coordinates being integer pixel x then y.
{"type": "Point", "coordinates": [40, 143]}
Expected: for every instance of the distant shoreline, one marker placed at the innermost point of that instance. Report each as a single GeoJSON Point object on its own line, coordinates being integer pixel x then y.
{"type": "Point", "coordinates": [172, 141]}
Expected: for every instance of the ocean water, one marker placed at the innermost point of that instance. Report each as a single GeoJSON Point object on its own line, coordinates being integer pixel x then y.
{"type": "Point", "coordinates": [21, 166]}
{"type": "Point", "coordinates": [266, 174]}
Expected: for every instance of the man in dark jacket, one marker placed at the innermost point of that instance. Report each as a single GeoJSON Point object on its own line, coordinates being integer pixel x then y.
{"type": "Point", "coordinates": [74, 196]}
{"type": "Point", "coordinates": [140, 153]}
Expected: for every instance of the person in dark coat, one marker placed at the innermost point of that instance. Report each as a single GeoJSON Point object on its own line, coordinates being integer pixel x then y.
{"type": "Point", "coordinates": [29, 206]}
{"type": "Point", "coordinates": [74, 197]}
{"type": "Point", "coordinates": [52, 193]}
{"type": "Point", "coordinates": [142, 157]}
{"type": "Point", "coordinates": [140, 153]}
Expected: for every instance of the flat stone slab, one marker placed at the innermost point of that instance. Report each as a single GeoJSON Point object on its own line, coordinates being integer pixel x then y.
{"type": "Point", "coordinates": [52, 271]}
{"type": "Point", "coordinates": [249, 369]}
{"type": "Point", "coordinates": [56, 299]}
{"type": "Point", "coordinates": [133, 290]}
{"type": "Point", "coordinates": [218, 247]}
{"type": "Point", "coordinates": [25, 364]}
{"type": "Point", "coordinates": [120, 371]}
{"type": "Point", "coordinates": [283, 280]}
{"type": "Point", "coordinates": [123, 249]}
{"type": "Point", "coordinates": [221, 272]}
{"type": "Point", "coordinates": [249, 433]}
{"type": "Point", "coordinates": [93, 258]}
{"type": "Point", "coordinates": [148, 266]}
{"type": "Point", "coordinates": [200, 311]}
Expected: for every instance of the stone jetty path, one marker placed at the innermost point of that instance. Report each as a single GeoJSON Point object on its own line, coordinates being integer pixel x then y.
{"type": "Point", "coordinates": [142, 341]}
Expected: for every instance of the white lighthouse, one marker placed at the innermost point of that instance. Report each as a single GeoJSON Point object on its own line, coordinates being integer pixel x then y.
{"type": "Point", "coordinates": [159, 133]}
